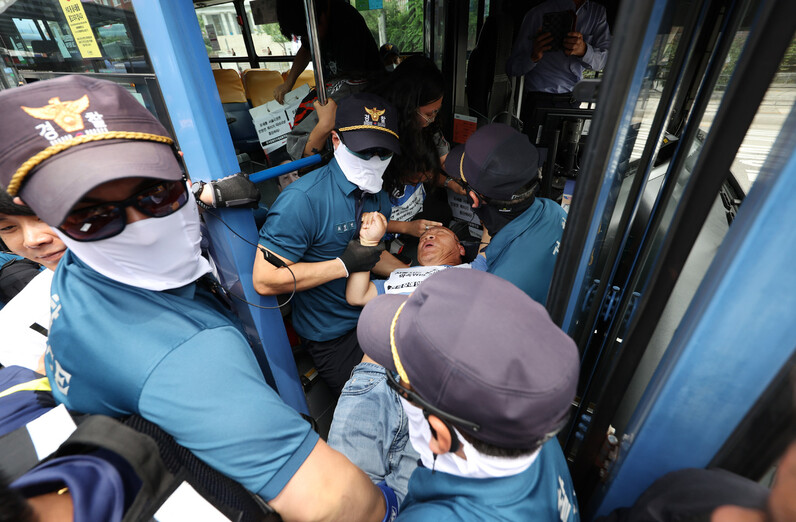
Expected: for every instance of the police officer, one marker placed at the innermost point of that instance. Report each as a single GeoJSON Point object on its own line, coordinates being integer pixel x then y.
{"type": "Point", "coordinates": [498, 169]}
{"type": "Point", "coordinates": [311, 228]}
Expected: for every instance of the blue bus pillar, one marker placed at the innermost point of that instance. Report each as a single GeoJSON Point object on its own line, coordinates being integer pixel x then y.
{"type": "Point", "coordinates": [177, 51]}
{"type": "Point", "coordinates": [736, 335]}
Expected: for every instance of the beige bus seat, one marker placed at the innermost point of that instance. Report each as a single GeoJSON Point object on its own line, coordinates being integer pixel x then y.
{"type": "Point", "coordinates": [260, 84]}
{"type": "Point", "coordinates": [229, 85]}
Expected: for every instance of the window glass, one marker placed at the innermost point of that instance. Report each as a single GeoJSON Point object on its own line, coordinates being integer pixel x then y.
{"type": "Point", "coordinates": [269, 41]}
{"type": "Point", "coordinates": [221, 31]}
{"type": "Point", "coordinates": [99, 37]}
{"type": "Point", "coordinates": [399, 22]}
{"type": "Point", "coordinates": [472, 25]}
{"type": "Point", "coordinates": [770, 115]}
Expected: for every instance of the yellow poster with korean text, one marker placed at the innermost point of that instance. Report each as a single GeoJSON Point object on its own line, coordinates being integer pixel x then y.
{"type": "Point", "coordinates": [81, 29]}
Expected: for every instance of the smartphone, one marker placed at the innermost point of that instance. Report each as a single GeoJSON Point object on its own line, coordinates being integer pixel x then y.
{"type": "Point", "coordinates": [558, 24]}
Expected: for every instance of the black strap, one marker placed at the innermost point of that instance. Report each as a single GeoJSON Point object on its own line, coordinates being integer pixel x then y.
{"type": "Point", "coordinates": [139, 450]}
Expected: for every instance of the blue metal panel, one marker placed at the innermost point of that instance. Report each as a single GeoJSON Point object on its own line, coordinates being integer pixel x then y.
{"type": "Point", "coordinates": [738, 332]}
{"type": "Point", "coordinates": [178, 54]}
{"type": "Point", "coordinates": [609, 191]}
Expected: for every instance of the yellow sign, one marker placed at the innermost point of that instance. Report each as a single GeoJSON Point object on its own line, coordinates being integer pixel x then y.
{"type": "Point", "coordinates": [81, 29]}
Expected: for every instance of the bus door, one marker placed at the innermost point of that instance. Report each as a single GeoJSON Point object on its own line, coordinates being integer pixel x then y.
{"type": "Point", "coordinates": [673, 275]}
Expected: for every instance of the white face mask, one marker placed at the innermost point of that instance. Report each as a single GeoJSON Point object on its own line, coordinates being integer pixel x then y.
{"type": "Point", "coordinates": [476, 465]}
{"type": "Point", "coordinates": [365, 174]}
{"type": "Point", "coordinates": [154, 253]}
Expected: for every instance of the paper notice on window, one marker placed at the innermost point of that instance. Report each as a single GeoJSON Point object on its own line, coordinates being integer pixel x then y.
{"type": "Point", "coordinates": [81, 29]}
{"type": "Point", "coordinates": [186, 504]}
{"type": "Point", "coordinates": [24, 322]}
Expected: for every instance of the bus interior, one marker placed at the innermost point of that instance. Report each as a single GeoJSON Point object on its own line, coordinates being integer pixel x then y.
{"type": "Point", "coordinates": [677, 169]}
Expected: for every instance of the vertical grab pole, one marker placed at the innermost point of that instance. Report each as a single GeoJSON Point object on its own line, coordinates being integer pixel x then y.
{"type": "Point", "coordinates": [314, 45]}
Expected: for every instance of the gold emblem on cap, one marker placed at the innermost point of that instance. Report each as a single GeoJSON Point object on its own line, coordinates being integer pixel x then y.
{"type": "Point", "coordinates": [375, 113]}
{"type": "Point", "coordinates": [66, 115]}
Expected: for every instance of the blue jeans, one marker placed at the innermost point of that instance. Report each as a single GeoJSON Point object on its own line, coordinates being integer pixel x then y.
{"type": "Point", "coordinates": [371, 429]}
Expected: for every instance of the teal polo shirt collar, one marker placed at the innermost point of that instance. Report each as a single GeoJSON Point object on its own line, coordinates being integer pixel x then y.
{"type": "Point", "coordinates": [340, 180]}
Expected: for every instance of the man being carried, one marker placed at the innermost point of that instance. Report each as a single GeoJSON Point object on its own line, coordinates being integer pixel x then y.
{"type": "Point", "coordinates": [437, 249]}
{"type": "Point", "coordinates": [486, 379]}
{"type": "Point", "coordinates": [369, 425]}
{"type": "Point", "coordinates": [135, 328]}
{"type": "Point", "coordinates": [498, 168]}
{"type": "Point", "coordinates": [311, 228]}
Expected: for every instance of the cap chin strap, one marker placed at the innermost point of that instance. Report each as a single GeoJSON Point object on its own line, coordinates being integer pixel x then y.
{"type": "Point", "coordinates": [397, 360]}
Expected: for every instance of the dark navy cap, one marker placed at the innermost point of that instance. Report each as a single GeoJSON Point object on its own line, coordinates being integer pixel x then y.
{"type": "Point", "coordinates": [367, 121]}
{"type": "Point", "coordinates": [497, 161]}
{"type": "Point", "coordinates": [388, 49]}
{"type": "Point", "coordinates": [65, 136]}
{"type": "Point", "coordinates": [475, 346]}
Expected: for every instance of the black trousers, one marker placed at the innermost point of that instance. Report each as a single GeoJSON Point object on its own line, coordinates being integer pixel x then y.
{"type": "Point", "coordinates": [532, 114]}
{"type": "Point", "coordinates": [334, 359]}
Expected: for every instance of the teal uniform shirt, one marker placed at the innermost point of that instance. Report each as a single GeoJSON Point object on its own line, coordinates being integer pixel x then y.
{"type": "Point", "coordinates": [542, 493]}
{"type": "Point", "coordinates": [524, 252]}
{"type": "Point", "coordinates": [313, 220]}
{"type": "Point", "coordinates": [178, 359]}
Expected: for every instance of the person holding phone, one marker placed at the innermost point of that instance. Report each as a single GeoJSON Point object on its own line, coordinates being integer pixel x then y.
{"type": "Point", "coordinates": [552, 66]}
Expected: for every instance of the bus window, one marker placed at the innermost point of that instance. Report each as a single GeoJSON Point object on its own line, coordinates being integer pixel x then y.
{"type": "Point", "coordinates": [43, 36]}
{"type": "Point", "coordinates": [397, 22]}
{"type": "Point", "coordinates": [768, 122]}
{"type": "Point", "coordinates": [269, 41]}
{"type": "Point", "coordinates": [221, 31]}
{"type": "Point", "coordinates": [751, 156]}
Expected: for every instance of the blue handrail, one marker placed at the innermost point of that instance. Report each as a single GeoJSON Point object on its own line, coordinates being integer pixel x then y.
{"type": "Point", "coordinates": [285, 168]}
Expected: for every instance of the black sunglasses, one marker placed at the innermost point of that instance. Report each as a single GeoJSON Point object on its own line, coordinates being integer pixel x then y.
{"type": "Point", "coordinates": [109, 219]}
{"type": "Point", "coordinates": [392, 381]}
{"type": "Point", "coordinates": [383, 154]}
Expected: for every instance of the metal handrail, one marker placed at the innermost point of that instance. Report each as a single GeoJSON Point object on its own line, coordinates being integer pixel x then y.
{"type": "Point", "coordinates": [315, 48]}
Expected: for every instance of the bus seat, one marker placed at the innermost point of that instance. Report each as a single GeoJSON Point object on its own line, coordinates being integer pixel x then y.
{"type": "Point", "coordinates": [229, 85]}
{"type": "Point", "coordinates": [236, 109]}
{"type": "Point", "coordinates": [307, 76]}
{"type": "Point", "coordinates": [260, 84]}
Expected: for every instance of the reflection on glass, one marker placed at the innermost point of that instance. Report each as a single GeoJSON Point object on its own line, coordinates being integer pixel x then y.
{"type": "Point", "coordinates": [629, 146]}
{"type": "Point", "coordinates": [753, 153]}
{"type": "Point", "coordinates": [98, 37]}
{"type": "Point", "coordinates": [770, 117]}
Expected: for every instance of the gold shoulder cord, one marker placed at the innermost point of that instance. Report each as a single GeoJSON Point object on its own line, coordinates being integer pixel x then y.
{"type": "Point", "coordinates": [368, 127]}
{"type": "Point", "coordinates": [394, 349]}
{"type": "Point", "coordinates": [52, 150]}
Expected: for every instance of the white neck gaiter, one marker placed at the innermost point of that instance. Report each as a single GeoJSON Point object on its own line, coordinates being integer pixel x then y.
{"type": "Point", "coordinates": [154, 253]}
{"type": "Point", "coordinates": [476, 465]}
{"type": "Point", "coordinates": [365, 174]}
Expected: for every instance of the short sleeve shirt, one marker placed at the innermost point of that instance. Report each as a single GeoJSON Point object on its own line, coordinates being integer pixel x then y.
{"type": "Point", "coordinates": [313, 220]}
{"type": "Point", "coordinates": [178, 359]}
{"type": "Point", "coordinates": [524, 252]}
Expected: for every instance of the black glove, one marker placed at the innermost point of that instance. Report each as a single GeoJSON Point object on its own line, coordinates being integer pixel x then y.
{"type": "Point", "coordinates": [235, 191]}
{"type": "Point", "coordinates": [358, 258]}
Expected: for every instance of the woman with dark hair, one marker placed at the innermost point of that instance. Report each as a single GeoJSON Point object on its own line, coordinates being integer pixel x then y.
{"type": "Point", "coordinates": [416, 89]}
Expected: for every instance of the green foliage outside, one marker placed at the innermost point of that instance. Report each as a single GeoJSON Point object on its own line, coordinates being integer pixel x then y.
{"type": "Point", "coordinates": [271, 30]}
{"type": "Point", "coordinates": [404, 26]}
